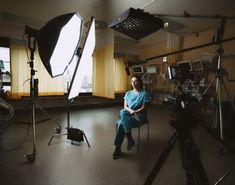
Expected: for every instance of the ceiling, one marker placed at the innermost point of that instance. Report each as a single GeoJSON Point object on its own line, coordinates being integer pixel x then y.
{"type": "Point", "coordinates": [37, 13]}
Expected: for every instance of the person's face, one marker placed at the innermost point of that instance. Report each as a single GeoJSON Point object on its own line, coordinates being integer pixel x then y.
{"type": "Point", "coordinates": [135, 83]}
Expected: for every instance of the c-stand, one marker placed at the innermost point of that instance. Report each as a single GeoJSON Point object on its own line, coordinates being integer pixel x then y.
{"type": "Point", "coordinates": [33, 91]}
{"type": "Point", "coordinates": [73, 134]}
{"type": "Point", "coordinates": [219, 74]}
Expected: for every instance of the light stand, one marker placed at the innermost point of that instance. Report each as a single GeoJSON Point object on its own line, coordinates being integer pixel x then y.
{"type": "Point", "coordinates": [219, 74]}
{"type": "Point", "coordinates": [73, 88]}
{"type": "Point", "coordinates": [57, 43]}
{"type": "Point", "coordinates": [73, 134]}
{"type": "Point", "coordinates": [33, 92]}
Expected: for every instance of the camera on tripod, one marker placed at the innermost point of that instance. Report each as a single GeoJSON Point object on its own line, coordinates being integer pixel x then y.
{"type": "Point", "coordinates": [183, 104]}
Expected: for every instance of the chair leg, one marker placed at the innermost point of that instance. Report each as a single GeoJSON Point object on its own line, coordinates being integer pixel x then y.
{"type": "Point", "coordinates": [138, 142]}
{"type": "Point", "coordinates": [148, 133]}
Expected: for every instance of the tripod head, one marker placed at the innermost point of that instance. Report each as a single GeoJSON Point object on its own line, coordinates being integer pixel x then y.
{"type": "Point", "coordinates": [184, 108]}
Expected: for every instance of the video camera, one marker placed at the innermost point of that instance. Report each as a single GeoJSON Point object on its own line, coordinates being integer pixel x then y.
{"type": "Point", "coordinates": [184, 105]}
{"type": "Point", "coordinates": [184, 109]}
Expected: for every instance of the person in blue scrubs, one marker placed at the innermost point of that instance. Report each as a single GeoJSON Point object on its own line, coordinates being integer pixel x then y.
{"type": "Point", "coordinates": [133, 115]}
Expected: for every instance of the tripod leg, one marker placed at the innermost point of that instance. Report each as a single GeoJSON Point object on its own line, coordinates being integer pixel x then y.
{"type": "Point", "coordinates": [229, 97]}
{"type": "Point", "coordinates": [161, 160]}
{"type": "Point", "coordinates": [44, 112]}
{"type": "Point", "coordinates": [222, 178]}
{"type": "Point", "coordinates": [86, 139]}
{"type": "Point", "coordinates": [220, 109]}
{"type": "Point", "coordinates": [55, 135]}
{"type": "Point", "coordinates": [191, 162]}
{"type": "Point", "coordinates": [204, 93]}
{"type": "Point", "coordinates": [52, 137]}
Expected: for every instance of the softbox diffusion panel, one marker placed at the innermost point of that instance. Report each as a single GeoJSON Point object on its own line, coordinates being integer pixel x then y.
{"type": "Point", "coordinates": [86, 53]}
{"type": "Point", "coordinates": [136, 23]}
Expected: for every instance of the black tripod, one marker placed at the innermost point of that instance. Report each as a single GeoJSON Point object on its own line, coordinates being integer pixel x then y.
{"type": "Point", "coordinates": [190, 159]}
{"type": "Point", "coordinates": [184, 119]}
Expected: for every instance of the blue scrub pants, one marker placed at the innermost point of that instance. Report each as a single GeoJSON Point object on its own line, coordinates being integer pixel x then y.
{"type": "Point", "coordinates": [124, 125]}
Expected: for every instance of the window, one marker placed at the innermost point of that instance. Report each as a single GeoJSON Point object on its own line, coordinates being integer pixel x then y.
{"type": "Point", "coordinates": [86, 86]}
{"type": "Point", "coordinates": [5, 64]}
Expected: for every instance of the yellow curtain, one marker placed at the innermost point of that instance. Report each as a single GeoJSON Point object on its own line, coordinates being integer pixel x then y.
{"type": "Point", "coordinates": [103, 72]}
{"type": "Point", "coordinates": [173, 44]}
{"type": "Point", "coordinates": [121, 77]}
{"type": "Point", "coordinates": [21, 74]}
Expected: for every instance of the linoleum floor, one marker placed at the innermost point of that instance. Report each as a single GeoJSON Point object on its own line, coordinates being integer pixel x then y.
{"type": "Point", "coordinates": [71, 163]}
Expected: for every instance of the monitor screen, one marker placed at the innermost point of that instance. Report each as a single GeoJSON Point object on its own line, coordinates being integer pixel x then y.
{"type": "Point", "coordinates": [174, 72]}
{"type": "Point", "coordinates": [185, 68]}
{"type": "Point", "coordinates": [151, 69]}
{"type": "Point", "coordinates": [138, 69]}
{"type": "Point", "coordinates": [197, 65]}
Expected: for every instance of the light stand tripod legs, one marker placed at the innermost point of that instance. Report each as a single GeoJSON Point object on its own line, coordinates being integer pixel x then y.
{"type": "Point", "coordinates": [55, 135]}
{"type": "Point", "coordinates": [219, 108]}
{"type": "Point", "coordinates": [72, 133]}
{"type": "Point", "coordinates": [86, 139]}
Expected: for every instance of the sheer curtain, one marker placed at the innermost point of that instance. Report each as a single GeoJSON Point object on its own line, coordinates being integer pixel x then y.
{"type": "Point", "coordinates": [21, 74]}
{"type": "Point", "coordinates": [121, 78]}
{"type": "Point", "coordinates": [174, 42]}
{"type": "Point", "coordinates": [103, 72]}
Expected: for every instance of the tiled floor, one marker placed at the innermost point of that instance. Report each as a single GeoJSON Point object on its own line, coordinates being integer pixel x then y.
{"type": "Point", "coordinates": [66, 163]}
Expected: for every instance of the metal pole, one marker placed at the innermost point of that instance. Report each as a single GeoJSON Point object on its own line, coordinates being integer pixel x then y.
{"type": "Point", "coordinates": [32, 156]}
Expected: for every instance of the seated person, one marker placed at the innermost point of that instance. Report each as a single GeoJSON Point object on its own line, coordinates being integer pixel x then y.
{"type": "Point", "coordinates": [133, 115]}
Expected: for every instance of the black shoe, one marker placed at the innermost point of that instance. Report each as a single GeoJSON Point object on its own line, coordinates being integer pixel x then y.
{"type": "Point", "coordinates": [130, 144]}
{"type": "Point", "coordinates": [117, 153]}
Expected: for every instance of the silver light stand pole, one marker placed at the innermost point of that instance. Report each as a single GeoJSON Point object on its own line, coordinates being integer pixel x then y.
{"type": "Point", "coordinates": [33, 91]}
{"type": "Point", "coordinates": [220, 72]}
{"type": "Point", "coordinates": [76, 131]}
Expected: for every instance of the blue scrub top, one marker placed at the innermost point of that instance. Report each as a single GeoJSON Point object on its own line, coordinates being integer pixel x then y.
{"type": "Point", "coordinates": [136, 100]}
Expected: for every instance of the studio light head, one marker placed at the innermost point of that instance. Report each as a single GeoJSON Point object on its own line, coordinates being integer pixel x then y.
{"type": "Point", "coordinates": [58, 41]}
{"type": "Point", "coordinates": [136, 23]}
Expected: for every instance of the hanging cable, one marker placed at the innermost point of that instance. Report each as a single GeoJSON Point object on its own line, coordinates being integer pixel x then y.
{"type": "Point", "coordinates": [6, 110]}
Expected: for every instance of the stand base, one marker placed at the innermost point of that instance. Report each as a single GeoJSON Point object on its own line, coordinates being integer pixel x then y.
{"type": "Point", "coordinates": [73, 134]}
{"type": "Point", "coordinates": [31, 156]}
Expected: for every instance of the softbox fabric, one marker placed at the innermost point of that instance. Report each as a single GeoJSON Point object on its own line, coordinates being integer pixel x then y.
{"type": "Point", "coordinates": [48, 37]}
